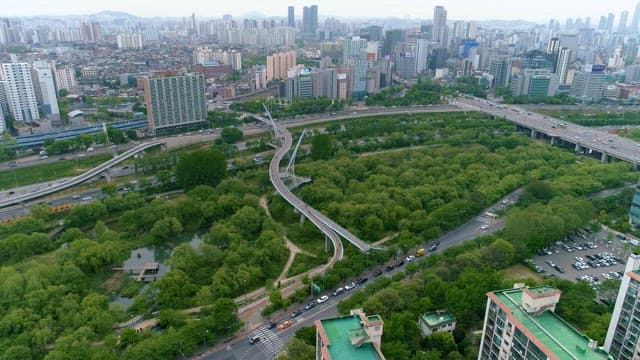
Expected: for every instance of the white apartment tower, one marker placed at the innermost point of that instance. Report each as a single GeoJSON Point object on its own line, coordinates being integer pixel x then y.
{"type": "Point", "coordinates": [440, 25]}
{"type": "Point", "coordinates": [43, 77]}
{"type": "Point", "coordinates": [622, 339]}
{"type": "Point", "coordinates": [21, 95]}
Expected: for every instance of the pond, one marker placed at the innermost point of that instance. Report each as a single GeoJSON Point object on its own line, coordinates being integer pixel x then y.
{"type": "Point", "coordinates": [153, 254]}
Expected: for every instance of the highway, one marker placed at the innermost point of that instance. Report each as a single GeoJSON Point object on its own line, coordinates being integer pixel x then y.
{"type": "Point", "coordinates": [585, 139]}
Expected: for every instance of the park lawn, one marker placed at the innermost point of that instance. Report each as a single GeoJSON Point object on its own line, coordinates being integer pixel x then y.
{"type": "Point", "coordinates": [20, 176]}
{"type": "Point", "coordinates": [521, 272]}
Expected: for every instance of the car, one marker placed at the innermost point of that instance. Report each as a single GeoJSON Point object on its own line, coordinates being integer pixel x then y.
{"type": "Point", "coordinates": [400, 263]}
{"type": "Point", "coordinates": [362, 280]}
{"type": "Point", "coordinates": [377, 273]}
{"type": "Point", "coordinates": [254, 339]}
{"type": "Point", "coordinates": [13, 164]}
{"type": "Point", "coordinates": [390, 267]}
{"type": "Point", "coordinates": [322, 299]}
{"type": "Point", "coordinates": [81, 155]}
{"type": "Point", "coordinates": [350, 286]}
{"type": "Point", "coordinates": [285, 324]}
{"type": "Point", "coordinates": [296, 313]}
{"type": "Point", "coordinates": [409, 258]}
{"type": "Point", "coordinates": [76, 196]}
{"type": "Point", "coordinates": [272, 325]}
{"type": "Point", "coordinates": [484, 227]}
{"type": "Point", "coordinates": [90, 149]}
{"type": "Point", "coordinates": [309, 306]}
{"type": "Point", "coordinates": [62, 158]}
{"type": "Point", "coordinates": [87, 198]}
{"type": "Point", "coordinates": [43, 156]}
{"type": "Point", "coordinates": [338, 291]}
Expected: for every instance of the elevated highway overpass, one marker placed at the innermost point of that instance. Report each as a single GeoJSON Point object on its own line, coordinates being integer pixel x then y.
{"type": "Point", "coordinates": [583, 139]}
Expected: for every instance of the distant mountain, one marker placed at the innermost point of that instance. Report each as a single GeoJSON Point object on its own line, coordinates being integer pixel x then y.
{"type": "Point", "coordinates": [508, 24]}
{"type": "Point", "coordinates": [112, 15]}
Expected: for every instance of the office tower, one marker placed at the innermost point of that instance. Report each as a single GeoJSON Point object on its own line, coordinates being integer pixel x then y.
{"type": "Point", "coordinates": [624, 328]}
{"type": "Point", "coordinates": [438, 58]}
{"type": "Point", "coordinates": [310, 19]}
{"type": "Point", "coordinates": [588, 84]}
{"type": "Point", "coordinates": [300, 85]}
{"type": "Point", "coordinates": [353, 336]}
{"type": "Point", "coordinates": [391, 38]}
{"type": "Point", "coordinates": [609, 25]}
{"type": "Point", "coordinates": [279, 63]}
{"type": "Point", "coordinates": [554, 46]}
{"type": "Point", "coordinates": [175, 100]}
{"type": "Point", "coordinates": [635, 20]}
{"type": "Point", "coordinates": [439, 33]}
{"type": "Point", "coordinates": [587, 22]}
{"type": "Point", "coordinates": [422, 55]}
{"type": "Point", "coordinates": [291, 19]}
{"type": "Point", "coordinates": [602, 25]}
{"type": "Point", "coordinates": [354, 52]}
{"type": "Point", "coordinates": [521, 323]}
{"type": "Point", "coordinates": [472, 30]}
{"type": "Point", "coordinates": [66, 78]}
{"type": "Point", "coordinates": [622, 25]}
{"type": "Point", "coordinates": [562, 65]}
{"type": "Point", "coordinates": [21, 95]}
{"type": "Point", "coordinates": [500, 69]}
{"type": "Point", "coordinates": [46, 90]}
{"type": "Point", "coordinates": [372, 33]}
{"type": "Point", "coordinates": [129, 41]}
{"type": "Point", "coordinates": [568, 25]}
{"type": "Point", "coordinates": [194, 24]}
{"type": "Point", "coordinates": [632, 73]}
{"type": "Point", "coordinates": [531, 82]}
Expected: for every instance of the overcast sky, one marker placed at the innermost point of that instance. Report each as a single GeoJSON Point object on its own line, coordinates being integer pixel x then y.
{"type": "Point", "coordinates": [533, 10]}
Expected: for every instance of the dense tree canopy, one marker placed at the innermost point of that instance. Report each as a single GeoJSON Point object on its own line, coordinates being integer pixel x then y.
{"type": "Point", "coordinates": [201, 167]}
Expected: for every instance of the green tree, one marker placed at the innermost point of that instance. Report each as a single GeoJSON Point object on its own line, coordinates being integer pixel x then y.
{"type": "Point", "coordinates": [201, 168]}
{"type": "Point", "coordinates": [231, 135]}
{"type": "Point", "coordinates": [166, 229]}
{"type": "Point", "coordinates": [321, 147]}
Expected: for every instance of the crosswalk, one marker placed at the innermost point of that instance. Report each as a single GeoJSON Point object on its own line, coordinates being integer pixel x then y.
{"type": "Point", "coordinates": [270, 343]}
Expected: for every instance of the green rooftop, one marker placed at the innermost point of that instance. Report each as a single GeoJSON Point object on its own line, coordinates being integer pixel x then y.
{"type": "Point", "coordinates": [437, 318]}
{"type": "Point", "coordinates": [339, 334]}
{"type": "Point", "coordinates": [561, 338]}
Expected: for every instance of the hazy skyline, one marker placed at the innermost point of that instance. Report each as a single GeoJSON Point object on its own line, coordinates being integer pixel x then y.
{"type": "Point", "coordinates": [539, 11]}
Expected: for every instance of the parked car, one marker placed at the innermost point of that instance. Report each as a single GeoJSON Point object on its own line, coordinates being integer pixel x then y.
{"type": "Point", "coordinates": [410, 258]}
{"type": "Point", "coordinates": [272, 325]}
{"type": "Point", "coordinates": [323, 298]}
{"type": "Point", "coordinates": [338, 291]}
{"type": "Point", "coordinates": [296, 313]}
{"type": "Point", "coordinates": [350, 286]}
{"type": "Point", "coordinates": [390, 267]}
{"type": "Point", "coordinates": [362, 280]}
{"type": "Point", "coordinates": [309, 306]}
{"type": "Point", "coordinates": [377, 273]}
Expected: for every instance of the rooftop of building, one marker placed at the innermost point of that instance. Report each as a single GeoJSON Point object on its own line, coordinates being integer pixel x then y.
{"type": "Point", "coordinates": [339, 331]}
{"type": "Point", "coordinates": [437, 318]}
{"type": "Point", "coordinates": [549, 329]}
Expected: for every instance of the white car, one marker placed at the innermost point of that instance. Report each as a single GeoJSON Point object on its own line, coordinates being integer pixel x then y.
{"type": "Point", "coordinates": [484, 227]}
{"type": "Point", "coordinates": [322, 299]}
{"type": "Point", "coordinates": [410, 258]}
{"type": "Point", "coordinates": [87, 198]}
{"type": "Point", "coordinates": [350, 286]}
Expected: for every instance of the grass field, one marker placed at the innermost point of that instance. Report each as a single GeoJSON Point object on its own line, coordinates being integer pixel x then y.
{"type": "Point", "coordinates": [20, 176]}
{"type": "Point", "coordinates": [518, 272]}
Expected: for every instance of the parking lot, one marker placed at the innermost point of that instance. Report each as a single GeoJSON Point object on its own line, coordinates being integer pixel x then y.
{"type": "Point", "coordinates": [592, 257]}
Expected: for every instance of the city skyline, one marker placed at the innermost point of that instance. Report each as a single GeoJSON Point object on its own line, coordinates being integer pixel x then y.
{"type": "Point", "coordinates": [412, 9]}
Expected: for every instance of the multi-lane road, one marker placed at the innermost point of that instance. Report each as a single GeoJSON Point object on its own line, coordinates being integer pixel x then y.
{"type": "Point", "coordinates": [585, 139]}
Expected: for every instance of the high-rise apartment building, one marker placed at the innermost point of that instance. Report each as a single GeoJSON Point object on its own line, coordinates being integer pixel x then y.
{"type": "Point", "coordinates": [622, 24]}
{"type": "Point", "coordinates": [291, 18]}
{"type": "Point", "coordinates": [635, 20]}
{"type": "Point", "coordinates": [439, 33]}
{"type": "Point", "coordinates": [129, 41]}
{"type": "Point", "coordinates": [354, 52]}
{"type": "Point", "coordinates": [553, 46]}
{"type": "Point", "coordinates": [46, 90]}
{"type": "Point", "coordinates": [21, 95]}
{"type": "Point", "coordinates": [623, 336]}
{"type": "Point", "coordinates": [391, 39]}
{"type": "Point", "coordinates": [279, 63]}
{"type": "Point", "coordinates": [175, 100]}
{"type": "Point", "coordinates": [520, 324]}
{"type": "Point", "coordinates": [609, 23]}
{"type": "Point", "coordinates": [353, 336]}
{"type": "Point", "coordinates": [310, 19]}
{"type": "Point", "coordinates": [65, 78]}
